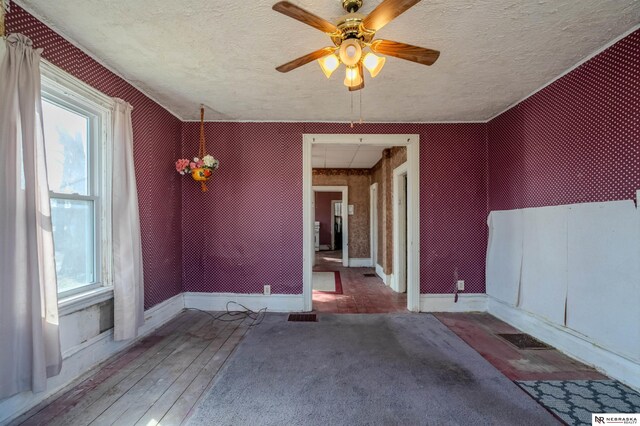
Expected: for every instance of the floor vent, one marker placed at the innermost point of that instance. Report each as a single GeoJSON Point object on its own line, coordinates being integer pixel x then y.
{"type": "Point", "coordinates": [369, 275]}
{"type": "Point", "coordinates": [524, 341]}
{"type": "Point", "coordinates": [303, 317]}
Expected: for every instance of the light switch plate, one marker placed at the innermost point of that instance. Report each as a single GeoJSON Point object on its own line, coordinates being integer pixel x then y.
{"type": "Point", "coordinates": [350, 209]}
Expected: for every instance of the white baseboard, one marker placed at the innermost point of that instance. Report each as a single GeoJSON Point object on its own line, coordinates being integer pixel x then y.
{"type": "Point", "coordinates": [569, 342]}
{"type": "Point", "coordinates": [82, 358]}
{"type": "Point", "coordinates": [159, 314]}
{"type": "Point", "coordinates": [387, 279]}
{"type": "Point", "coordinates": [218, 301]}
{"type": "Point", "coordinates": [467, 302]}
{"type": "Point", "coordinates": [355, 262]}
{"type": "Point", "coordinates": [325, 247]}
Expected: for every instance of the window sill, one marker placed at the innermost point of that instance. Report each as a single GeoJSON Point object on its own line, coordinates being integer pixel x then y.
{"type": "Point", "coordinates": [81, 301]}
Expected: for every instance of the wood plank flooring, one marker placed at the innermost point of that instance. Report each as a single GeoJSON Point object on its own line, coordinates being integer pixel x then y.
{"type": "Point", "coordinates": [480, 331]}
{"type": "Point", "coordinates": [157, 381]}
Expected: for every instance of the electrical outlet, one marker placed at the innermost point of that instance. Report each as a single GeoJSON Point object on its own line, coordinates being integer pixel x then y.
{"type": "Point", "coordinates": [460, 285]}
{"type": "Point", "coordinates": [267, 290]}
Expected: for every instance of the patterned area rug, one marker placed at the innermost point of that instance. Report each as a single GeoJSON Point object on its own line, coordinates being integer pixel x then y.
{"type": "Point", "coordinates": [327, 282]}
{"type": "Point", "coordinates": [573, 401]}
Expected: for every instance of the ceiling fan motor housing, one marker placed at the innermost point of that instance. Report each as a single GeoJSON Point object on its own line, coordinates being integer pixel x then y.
{"type": "Point", "coordinates": [350, 27]}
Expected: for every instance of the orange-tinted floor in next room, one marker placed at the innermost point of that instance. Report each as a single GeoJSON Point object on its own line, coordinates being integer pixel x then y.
{"type": "Point", "coordinates": [361, 294]}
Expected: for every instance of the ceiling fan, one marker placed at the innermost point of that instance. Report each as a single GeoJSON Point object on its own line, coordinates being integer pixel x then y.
{"type": "Point", "coordinates": [351, 35]}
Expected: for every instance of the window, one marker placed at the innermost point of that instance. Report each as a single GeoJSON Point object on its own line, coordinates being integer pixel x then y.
{"type": "Point", "coordinates": [75, 119]}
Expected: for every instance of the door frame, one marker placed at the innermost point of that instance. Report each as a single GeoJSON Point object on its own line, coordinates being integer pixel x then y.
{"type": "Point", "coordinates": [399, 280]}
{"type": "Point", "coordinates": [345, 219]}
{"type": "Point", "coordinates": [412, 142]}
{"type": "Point", "coordinates": [373, 223]}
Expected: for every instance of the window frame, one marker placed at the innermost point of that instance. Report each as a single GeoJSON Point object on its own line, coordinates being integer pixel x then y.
{"type": "Point", "coordinates": [62, 89]}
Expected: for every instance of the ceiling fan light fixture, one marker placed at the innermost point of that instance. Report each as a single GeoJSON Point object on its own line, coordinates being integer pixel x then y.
{"type": "Point", "coordinates": [350, 52]}
{"type": "Point", "coordinates": [352, 78]}
{"type": "Point", "coordinates": [350, 35]}
{"type": "Point", "coordinates": [373, 63]}
{"type": "Point", "coordinates": [329, 64]}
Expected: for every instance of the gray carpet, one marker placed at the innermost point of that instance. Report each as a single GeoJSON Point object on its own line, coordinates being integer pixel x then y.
{"type": "Point", "coordinates": [392, 369]}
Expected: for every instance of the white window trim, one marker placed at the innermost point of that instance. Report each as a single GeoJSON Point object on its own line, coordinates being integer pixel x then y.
{"type": "Point", "coordinates": [56, 81]}
{"type": "Point", "coordinates": [79, 301]}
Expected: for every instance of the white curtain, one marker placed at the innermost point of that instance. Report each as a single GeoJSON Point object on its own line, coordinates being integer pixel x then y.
{"type": "Point", "coordinates": [127, 248]}
{"type": "Point", "coordinates": [30, 350]}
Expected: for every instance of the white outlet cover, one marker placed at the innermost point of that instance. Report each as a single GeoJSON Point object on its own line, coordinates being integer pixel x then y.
{"type": "Point", "coordinates": [350, 209]}
{"type": "Point", "coordinates": [267, 290]}
{"type": "Point", "coordinates": [460, 284]}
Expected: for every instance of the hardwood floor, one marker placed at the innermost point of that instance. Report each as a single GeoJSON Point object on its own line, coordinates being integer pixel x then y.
{"type": "Point", "coordinates": [157, 381]}
{"type": "Point", "coordinates": [480, 331]}
{"type": "Point", "coordinates": [361, 294]}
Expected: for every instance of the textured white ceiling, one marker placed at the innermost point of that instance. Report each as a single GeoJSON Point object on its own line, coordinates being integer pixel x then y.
{"type": "Point", "coordinates": [343, 156]}
{"type": "Point", "coordinates": [223, 54]}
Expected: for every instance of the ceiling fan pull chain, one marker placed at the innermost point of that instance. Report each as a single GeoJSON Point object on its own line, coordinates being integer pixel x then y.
{"type": "Point", "coordinates": [351, 115]}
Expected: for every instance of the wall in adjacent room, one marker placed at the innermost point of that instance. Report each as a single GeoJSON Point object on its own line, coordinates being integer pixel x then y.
{"type": "Point", "coordinates": [324, 213]}
{"type": "Point", "coordinates": [357, 180]}
{"type": "Point", "coordinates": [247, 230]}
{"type": "Point", "coordinates": [382, 174]}
{"type": "Point", "coordinates": [575, 141]}
{"type": "Point", "coordinates": [379, 175]}
{"type": "Point", "coordinates": [156, 137]}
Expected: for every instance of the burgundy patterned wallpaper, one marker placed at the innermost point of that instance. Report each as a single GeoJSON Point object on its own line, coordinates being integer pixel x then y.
{"type": "Point", "coordinates": [247, 230]}
{"type": "Point", "coordinates": [156, 135]}
{"type": "Point", "coordinates": [575, 141]}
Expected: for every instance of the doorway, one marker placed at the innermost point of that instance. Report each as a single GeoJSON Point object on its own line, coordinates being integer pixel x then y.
{"type": "Point", "coordinates": [411, 142]}
{"type": "Point", "coordinates": [336, 220]}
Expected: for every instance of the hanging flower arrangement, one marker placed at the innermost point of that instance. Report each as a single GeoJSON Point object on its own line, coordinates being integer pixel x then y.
{"type": "Point", "coordinates": [201, 167]}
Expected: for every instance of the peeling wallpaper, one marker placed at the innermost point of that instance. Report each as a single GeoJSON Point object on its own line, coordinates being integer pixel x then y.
{"type": "Point", "coordinates": [156, 137]}
{"type": "Point", "coordinates": [575, 141]}
{"type": "Point", "coordinates": [247, 230]}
